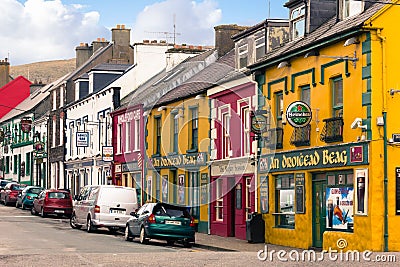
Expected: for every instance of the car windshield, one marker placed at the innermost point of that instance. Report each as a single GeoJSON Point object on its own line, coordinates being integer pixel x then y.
{"type": "Point", "coordinates": [34, 190]}
{"type": "Point", "coordinates": [58, 195]}
{"type": "Point", "coordinates": [171, 211]}
{"type": "Point", "coordinates": [18, 187]}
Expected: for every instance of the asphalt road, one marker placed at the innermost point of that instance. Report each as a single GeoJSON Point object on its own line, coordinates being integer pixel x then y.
{"type": "Point", "coordinates": [27, 240]}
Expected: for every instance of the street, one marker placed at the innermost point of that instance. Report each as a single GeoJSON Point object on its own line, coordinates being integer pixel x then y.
{"type": "Point", "coordinates": [27, 240]}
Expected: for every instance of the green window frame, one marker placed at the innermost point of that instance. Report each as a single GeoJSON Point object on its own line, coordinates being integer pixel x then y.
{"type": "Point", "coordinates": [157, 123]}
{"type": "Point", "coordinates": [194, 128]}
{"type": "Point", "coordinates": [337, 96]}
{"type": "Point", "coordinates": [15, 164]}
{"type": "Point", "coordinates": [28, 164]}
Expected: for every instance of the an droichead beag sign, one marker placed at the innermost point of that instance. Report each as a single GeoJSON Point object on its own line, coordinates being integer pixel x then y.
{"type": "Point", "coordinates": [298, 114]}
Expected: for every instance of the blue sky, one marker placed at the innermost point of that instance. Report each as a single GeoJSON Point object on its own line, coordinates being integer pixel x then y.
{"type": "Point", "coordinates": [39, 30]}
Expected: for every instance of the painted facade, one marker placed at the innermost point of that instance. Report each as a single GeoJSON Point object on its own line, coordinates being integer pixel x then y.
{"type": "Point", "coordinates": [333, 181]}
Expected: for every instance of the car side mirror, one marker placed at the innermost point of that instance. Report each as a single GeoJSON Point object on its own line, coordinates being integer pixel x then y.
{"type": "Point", "coordinates": [134, 214]}
{"type": "Point", "coordinates": [76, 197]}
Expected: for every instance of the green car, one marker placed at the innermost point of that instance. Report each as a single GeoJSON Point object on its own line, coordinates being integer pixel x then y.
{"type": "Point", "coordinates": [25, 197]}
{"type": "Point", "coordinates": [161, 221]}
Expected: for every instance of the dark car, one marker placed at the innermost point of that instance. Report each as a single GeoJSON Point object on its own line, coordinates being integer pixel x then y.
{"type": "Point", "coordinates": [52, 201]}
{"type": "Point", "coordinates": [161, 221]}
{"type": "Point", "coordinates": [25, 197]}
{"type": "Point", "coordinates": [3, 183]}
{"type": "Point", "coordinates": [9, 194]}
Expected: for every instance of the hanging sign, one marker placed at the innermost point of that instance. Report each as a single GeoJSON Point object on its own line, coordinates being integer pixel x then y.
{"type": "Point", "coordinates": [82, 139]}
{"type": "Point", "coordinates": [259, 122]}
{"type": "Point", "coordinates": [108, 153]}
{"type": "Point", "coordinates": [26, 125]}
{"type": "Point", "coordinates": [298, 114]}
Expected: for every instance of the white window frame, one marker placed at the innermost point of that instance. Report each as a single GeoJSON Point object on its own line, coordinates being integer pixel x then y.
{"type": "Point", "coordinates": [119, 138]}
{"type": "Point", "coordinates": [61, 96]}
{"type": "Point", "coordinates": [61, 132]}
{"type": "Point", "coordinates": [53, 139]}
{"type": "Point", "coordinates": [351, 8]}
{"type": "Point", "coordinates": [219, 202]}
{"type": "Point", "coordinates": [243, 51]}
{"type": "Point", "coordinates": [226, 144]}
{"type": "Point", "coordinates": [127, 137]}
{"type": "Point", "coordinates": [296, 19]}
{"type": "Point", "coordinates": [261, 43]}
{"type": "Point", "coordinates": [248, 197]}
{"type": "Point", "coordinates": [137, 135]}
{"type": "Point", "coordinates": [245, 111]}
{"type": "Point", "coordinates": [54, 99]}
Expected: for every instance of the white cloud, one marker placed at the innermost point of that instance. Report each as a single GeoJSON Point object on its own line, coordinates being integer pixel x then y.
{"type": "Point", "coordinates": [45, 30]}
{"type": "Point", "coordinates": [194, 21]}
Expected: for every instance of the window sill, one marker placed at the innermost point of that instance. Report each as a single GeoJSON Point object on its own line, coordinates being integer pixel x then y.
{"type": "Point", "coordinates": [284, 227]}
{"type": "Point", "coordinates": [156, 155]}
{"type": "Point", "coordinates": [126, 152]}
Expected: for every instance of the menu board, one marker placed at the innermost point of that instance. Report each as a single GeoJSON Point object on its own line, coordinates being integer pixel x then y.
{"type": "Point", "coordinates": [300, 192]}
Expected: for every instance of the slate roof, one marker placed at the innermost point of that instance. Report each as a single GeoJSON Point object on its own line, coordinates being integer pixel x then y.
{"type": "Point", "coordinates": [328, 30]}
{"type": "Point", "coordinates": [208, 77]}
{"type": "Point", "coordinates": [111, 67]}
{"type": "Point", "coordinates": [159, 85]}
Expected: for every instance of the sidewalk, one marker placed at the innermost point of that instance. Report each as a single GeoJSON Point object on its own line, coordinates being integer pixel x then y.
{"type": "Point", "coordinates": [219, 243]}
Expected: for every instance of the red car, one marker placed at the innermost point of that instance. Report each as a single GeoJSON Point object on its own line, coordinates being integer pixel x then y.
{"type": "Point", "coordinates": [9, 194]}
{"type": "Point", "coordinates": [53, 201]}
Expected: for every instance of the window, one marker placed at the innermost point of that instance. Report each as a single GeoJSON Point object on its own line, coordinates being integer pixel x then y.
{"type": "Point", "coordinates": [158, 135]}
{"type": "Point", "coordinates": [352, 7]}
{"type": "Point", "coordinates": [337, 96]}
{"type": "Point", "coordinates": [7, 167]}
{"type": "Point", "coordinates": [306, 95]}
{"type": "Point", "coordinates": [248, 197]}
{"type": "Point", "coordinates": [194, 134]}
{"type": "Point", "coordinates": [297, 22]}
{"type": "Point", "coordinates": [246, 131]}
{"type": "Point", "coordinates": [53, 140]}
{"type": "Point", "coordinates": [333, 130]}
{"type": "Point", "coordinates": [279, 109]}
{"type": "Point", "coordinates": [28, 164]}
{"type": "Point", "coordinates": [301, 136]}
{"type": "Point", "coordinates": [276, 134]}
{"type": "Point", "coordinates": [243, 55]}
{"type": "Point", "coordinates": [260, 44]}
{"type": "Point", "coordinates": [119, 138]}
{"type": "Point", "coordinates": [284, 201]}
{"type": "Point", "coordinates": [175, 129]}
{"type": "Point", "coordinates": [61, 96]}
{"type": "Point", "coordinates": [61, 129]}
{"type": "Point", "coordinates": [15, 164]}
{"type": "Point", "coordinates": [137, 134]}
{"type": "Point", "coordinates": [219, 203]}
{"type": "Point", "coordinates": [54, 99]}
{"type": "Point", "coordinates": [127, 137]}
{"type": "Point", "coordinates": [226, 144]}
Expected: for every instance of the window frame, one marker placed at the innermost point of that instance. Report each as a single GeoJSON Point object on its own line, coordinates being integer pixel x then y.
{"type": "Point", "coordinates": [351, 8]}
{"type": "Point", "coordinates": [279, 215]}
{"type": "Point", "coordinates": [337, 108]}
{"type": "Point", "coordinates": [219, 200]}
{"type": "Point", "coordinates": [298, 20]}
{"type": "Point", "coordinates": [243, 55]}
{"type": "Point", "coordinates": [194, 129]}
{"type": "Point", "coordinates": [157, 139]}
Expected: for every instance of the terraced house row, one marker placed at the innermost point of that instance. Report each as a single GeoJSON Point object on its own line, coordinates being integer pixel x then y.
{"type": "Point", "coordinates": [293, 119]}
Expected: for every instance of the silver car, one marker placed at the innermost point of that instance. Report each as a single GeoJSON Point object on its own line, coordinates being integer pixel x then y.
{"type": "Point", "coordinates": [103, 206]}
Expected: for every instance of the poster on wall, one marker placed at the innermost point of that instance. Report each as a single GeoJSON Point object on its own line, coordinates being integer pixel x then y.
{"type": "Point", "coordinates": [165, 188]}
{"type": "Point", "coordinates": [339, 207]}
{"type": "Point", "coordinates": [204, 188]}
{"type": "Point", "coordinates": [264, 194]}
{"type": "Point", "coordinates": [361, 194]}
{"type": "Point", "coordinates": [181, 189]}
{"type": "Point", "coordinates": [300, 192]}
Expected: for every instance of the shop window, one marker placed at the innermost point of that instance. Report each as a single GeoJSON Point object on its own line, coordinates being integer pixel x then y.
{"type": "Point", "coordinates": [284, 201]}
{"type": "Point", "coordinates": [340, 201]}
{"type": "Point", "coordinates": [297, 22]}
{"type": "Point", "coordinates": [219, 203]}
{"type": "Point", "coordinates": [301, 136]}
{"type": "Point", "coordinates": [226, 141]}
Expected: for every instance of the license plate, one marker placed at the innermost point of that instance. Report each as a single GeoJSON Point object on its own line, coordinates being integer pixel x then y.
{"type": "Point", "coordinates": [173, 222]}
{"type": "Point", "coordinates": [59, 211]}
{"type": "Point", "coordinates": [117, 211]}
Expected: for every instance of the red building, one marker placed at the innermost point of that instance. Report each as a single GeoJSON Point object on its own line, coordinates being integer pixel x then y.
{"type": "Point", "coordinates": [232, 174]}
{"type": "Point", "coordinates": [12, 92]}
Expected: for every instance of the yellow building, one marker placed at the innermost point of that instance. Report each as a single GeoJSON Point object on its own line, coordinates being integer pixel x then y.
{"type": "Point", "coordinates": [328, 173]}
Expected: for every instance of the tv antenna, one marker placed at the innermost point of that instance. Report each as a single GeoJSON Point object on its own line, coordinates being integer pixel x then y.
{"type": "Point", "coordinates": [169, 35]}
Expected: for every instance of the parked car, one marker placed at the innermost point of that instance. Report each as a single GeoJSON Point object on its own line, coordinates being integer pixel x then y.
{"type": "Point", "coordinates": [3, 183]}
{"type": "Point", "coordinates": [25, 197]}
{"type": "Point", "coordinates": [52, 201]}
{"type": "Point", "coordinates": [161, 221]}
{"type": "Point", "coordinates": [103, 206]}
{"type": "Point", "coordinates": [8, 195]}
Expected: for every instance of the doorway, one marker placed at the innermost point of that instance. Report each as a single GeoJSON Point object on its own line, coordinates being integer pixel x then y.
{"type": "Point", "coordinates": [319, 209]}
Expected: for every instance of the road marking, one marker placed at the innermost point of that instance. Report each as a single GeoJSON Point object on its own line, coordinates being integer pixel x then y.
{"type": "Point", "coordinates": [16, 216]}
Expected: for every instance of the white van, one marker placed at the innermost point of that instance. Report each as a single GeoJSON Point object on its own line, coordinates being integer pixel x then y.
{"type": "Point", "coordinates": [103, 206]}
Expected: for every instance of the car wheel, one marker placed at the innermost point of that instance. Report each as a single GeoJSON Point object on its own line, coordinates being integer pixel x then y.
{"type": "Point", "coordinates": [33, 211]}
{"type": "Point", "coordinates": [42, 214]}
{"type": "Point", "coordinates": [143, 236]}
{"type": "Point", "coordinates": [128, 236]}
{"type": "Point", "coordinates": [187, 244]}
{"type": "Point", "coordinates": [89, 226]}
{"type": "Point", "coordinates": [170, 242]}
{"type": "Point", "coordinates": [72, 222]}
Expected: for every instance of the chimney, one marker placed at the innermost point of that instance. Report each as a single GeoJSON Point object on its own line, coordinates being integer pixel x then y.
{"type": "Point", "coordinates": [4, 72]}
{"type": "Point", "coordinates": [121, 38]}
{"type": "Point", "coordinates": [83, 53]}
{"type": "Point", "coordinates": [99, 43]}
{"type": "Point", "coordinates": [223, 40]}
{"type": "Point", "coordinates": [35, 86]}
{"type": "Point", "coordinates": [116, 97]}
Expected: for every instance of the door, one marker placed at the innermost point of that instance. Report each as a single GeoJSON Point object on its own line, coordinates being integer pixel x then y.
{"type": "Point", "coordinates": [319, 212]}
{"type": "Point", "coordinates": [232, 206]}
